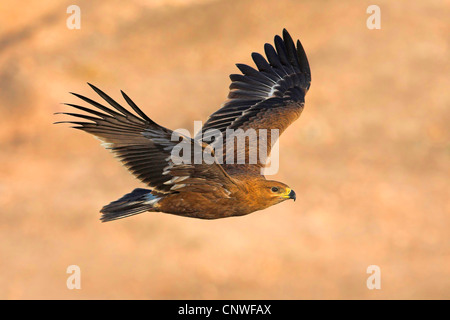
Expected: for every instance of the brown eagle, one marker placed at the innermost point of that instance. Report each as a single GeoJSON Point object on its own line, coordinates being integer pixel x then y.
{"type": "Point", "coordinates": [269, 97]}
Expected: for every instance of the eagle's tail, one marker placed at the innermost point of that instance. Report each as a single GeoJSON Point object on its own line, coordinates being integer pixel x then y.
{"type": "Point", "coordinates": [138, 201]}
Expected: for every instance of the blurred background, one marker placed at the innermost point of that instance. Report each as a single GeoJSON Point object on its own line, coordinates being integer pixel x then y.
{"type": "Point", "coordinates": [368, 158]}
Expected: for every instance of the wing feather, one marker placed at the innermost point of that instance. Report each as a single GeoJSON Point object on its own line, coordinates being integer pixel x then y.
{"type": "Point", "coordinates": [269, 97]}
{"type": "Point", "coordinates": [145, 147]}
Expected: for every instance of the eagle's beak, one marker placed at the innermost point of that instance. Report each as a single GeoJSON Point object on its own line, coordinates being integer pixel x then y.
{"type": "Point", "coordinates": [290, 194]}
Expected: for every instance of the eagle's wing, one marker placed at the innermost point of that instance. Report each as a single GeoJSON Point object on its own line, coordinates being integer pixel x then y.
{"type": "Point", "coordinates": [271, 97]}
{"type": "Point", "coordinates": [145, 148]}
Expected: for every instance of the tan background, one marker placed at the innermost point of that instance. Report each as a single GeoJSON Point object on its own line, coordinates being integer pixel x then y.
{"type": "Point", "coordinates": [369, 158]}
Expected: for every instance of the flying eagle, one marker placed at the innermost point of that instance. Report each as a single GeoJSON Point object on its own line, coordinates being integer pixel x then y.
{"type": "Point", "coordinates": [269, 97]}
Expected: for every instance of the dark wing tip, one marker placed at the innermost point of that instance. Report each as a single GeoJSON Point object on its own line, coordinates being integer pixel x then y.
{"type": "Point", "coordinates": [303, 59]}
{"type": "Point", "coordinates": [286, 35]}
{"type": "Point", "coordinates": [136, 108]}
{"type": "Point", "coordinates": [92, 86]}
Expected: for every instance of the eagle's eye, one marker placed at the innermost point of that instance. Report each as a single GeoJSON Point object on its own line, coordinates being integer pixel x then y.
{"type": "Point", "coordinates": [275, 189]}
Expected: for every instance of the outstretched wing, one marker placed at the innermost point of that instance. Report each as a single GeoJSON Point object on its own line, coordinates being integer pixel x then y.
{"type": "Point", "coordinates": [145, 148]}
{"type": "Point", "coordinates": [271, 97]}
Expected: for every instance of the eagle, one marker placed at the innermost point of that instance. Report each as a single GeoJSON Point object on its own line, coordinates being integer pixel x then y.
{"type": "Point", "coordinates": [270, 96]}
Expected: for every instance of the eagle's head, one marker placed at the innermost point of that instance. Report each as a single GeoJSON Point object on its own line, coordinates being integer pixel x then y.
{"type": "Point", "coordinates": [267, 193]}
{"type": "Point", "coordinates": [277, 191]}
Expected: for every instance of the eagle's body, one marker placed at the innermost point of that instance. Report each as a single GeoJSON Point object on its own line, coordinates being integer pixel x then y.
{"type": "Point", "coordinates": [213, 205]}
{"type": "Point", "coordinates": [270, 98]}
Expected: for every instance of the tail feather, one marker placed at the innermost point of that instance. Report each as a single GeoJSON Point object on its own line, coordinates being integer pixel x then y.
{"type": "Point", "coordinates": [138, 201]}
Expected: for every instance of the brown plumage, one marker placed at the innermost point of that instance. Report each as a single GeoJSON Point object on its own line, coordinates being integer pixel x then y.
{"type": "Point", "coordinates": [269, 97]}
